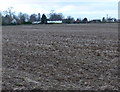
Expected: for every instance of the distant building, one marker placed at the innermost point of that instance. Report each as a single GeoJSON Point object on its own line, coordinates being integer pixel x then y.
{"type": "Point", "coordinates": [110, 20]}
{"type": "Point", "coordinates": [36, 22]}
{"type": "Point", "coordinates": [54, 21]}
{"type": "Point", "coordinates": [14, 21]}
{"type": "Point", "coordinates": [95, 21]}
{"type": "Point", "coordinates": [77, 21]}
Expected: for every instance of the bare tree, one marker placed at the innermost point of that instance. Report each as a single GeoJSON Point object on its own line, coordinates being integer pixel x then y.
{"type": "Point", "coordinates": [6, 20]}
{"type": "Point", "coordinates": [69, 20]}
{"type": "Point", "coordinates": [8, 16]}
{"type": "Point", "coordinates": [33, 18]}
{"type": "Point", "coordinates": [23, 17]}
{"type": "Point", "coordinates": [55, 16]}
{"type": "Point", "coordinates": [9, 12]}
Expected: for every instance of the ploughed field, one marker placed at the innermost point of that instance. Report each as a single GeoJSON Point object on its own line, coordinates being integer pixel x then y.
{"type": "Point", "coordinates": [61, 56]}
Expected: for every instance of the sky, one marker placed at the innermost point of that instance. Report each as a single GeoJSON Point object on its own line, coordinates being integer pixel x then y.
{"type": "Point", "coordinates": [92, 9]}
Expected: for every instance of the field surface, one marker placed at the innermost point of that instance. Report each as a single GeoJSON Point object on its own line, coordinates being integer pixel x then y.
{"type": "Point", "coordinates": [65, 56]}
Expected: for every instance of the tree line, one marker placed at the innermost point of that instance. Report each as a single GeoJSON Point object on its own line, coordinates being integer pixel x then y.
{"type": "Point", "coordinates": [9, 17]}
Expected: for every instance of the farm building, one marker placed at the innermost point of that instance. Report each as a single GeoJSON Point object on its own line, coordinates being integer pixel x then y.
{"type": "Point", "coordinates": [14, 21]}
{"type": "Point", "coordinates": [96, 21]}
{"type": "Point", "coordinates": [54, 21]}
{"type": "Point", "coordinates": [36, 22]}
{"type": "Point", "coordinates": [110, 20]}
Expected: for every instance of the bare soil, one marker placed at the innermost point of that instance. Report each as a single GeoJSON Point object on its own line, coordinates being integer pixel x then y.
{"type": "Point", "coordinates": [60, 57]}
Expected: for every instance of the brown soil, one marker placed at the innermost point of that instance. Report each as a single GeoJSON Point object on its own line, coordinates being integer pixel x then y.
{"type": "Point", "coordinates": [55, 57]}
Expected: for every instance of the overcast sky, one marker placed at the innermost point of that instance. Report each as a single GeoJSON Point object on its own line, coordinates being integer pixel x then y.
{"type": "Point", "coordinates": [92, 9]}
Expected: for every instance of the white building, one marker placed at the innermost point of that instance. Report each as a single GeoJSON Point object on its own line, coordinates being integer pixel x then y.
{"type": "Point", "coordinates": [110, 20]}
{"type": "Point", "coordinates": [14, 21]}
{"type": "Point", "coordinates": [36, 22]}
{"type": "Point", "coordinates": [55, 21]}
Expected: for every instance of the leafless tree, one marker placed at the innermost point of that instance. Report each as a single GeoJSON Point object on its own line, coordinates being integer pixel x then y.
{"type": "Point", "coordinates": [9, 12]}
{"type": "Point", "coordinates": [23, 17]}
{"type": "Point", "coordinates": [55, 16]}
{"type": "Point", "coordinates": [33, 17]}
